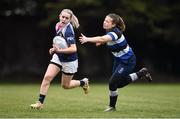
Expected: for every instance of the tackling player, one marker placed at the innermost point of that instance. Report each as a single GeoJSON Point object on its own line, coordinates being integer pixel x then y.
{"type": "Point", "coordinates": [124, 58]}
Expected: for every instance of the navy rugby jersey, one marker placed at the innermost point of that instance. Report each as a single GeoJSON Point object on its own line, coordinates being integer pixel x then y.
{"type": "Point", "coordinates": [119, 46]}
{"type": "Point", "coordinates": [67, 32]}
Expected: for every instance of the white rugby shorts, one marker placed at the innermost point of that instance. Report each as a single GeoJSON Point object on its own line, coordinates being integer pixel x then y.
{"type": "Point", "coordinates": [67, 67]}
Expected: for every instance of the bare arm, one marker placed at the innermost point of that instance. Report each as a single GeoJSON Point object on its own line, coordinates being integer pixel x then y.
{"type": "Point", "coordinates": [97, 39]}
{"type": "Point", "coordinates": [68, 50]}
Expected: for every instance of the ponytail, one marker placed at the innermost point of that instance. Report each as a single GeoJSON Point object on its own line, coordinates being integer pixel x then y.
{"type": "Point", "coordinates": [121, 24]}
{"type": "Point", "coordinates": [74, 21]}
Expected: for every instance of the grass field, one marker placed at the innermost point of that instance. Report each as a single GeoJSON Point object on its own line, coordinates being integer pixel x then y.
{"type": "Point", "coordinates": [135, 101]}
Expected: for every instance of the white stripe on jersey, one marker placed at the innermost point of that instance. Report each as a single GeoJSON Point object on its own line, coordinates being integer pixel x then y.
{"type": "Point", "coordinates": [116, 41]}
{"type": "Point", "coordinates": [122, 52]}
{"type": "Point", "coordinates": [115, 35]}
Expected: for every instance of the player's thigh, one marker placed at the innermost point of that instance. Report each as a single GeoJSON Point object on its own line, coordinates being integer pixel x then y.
{"type": "Point", "coordinates": [52, 71]}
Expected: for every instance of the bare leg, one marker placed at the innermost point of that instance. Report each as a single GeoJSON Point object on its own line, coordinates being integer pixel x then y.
{"type": "Point", "coordinates": [51, 72]}
{"type": "Point", "coordinates": [68, 83]}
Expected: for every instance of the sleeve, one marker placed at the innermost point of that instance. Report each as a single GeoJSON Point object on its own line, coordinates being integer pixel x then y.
{"type": "Point", "coordinates": [70, 35]}
{"type": "Point", "coordinates": [113, 35]}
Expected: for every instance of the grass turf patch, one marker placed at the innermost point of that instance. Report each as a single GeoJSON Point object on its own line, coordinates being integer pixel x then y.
{"type": "Point", "coordinates": [134, 101]}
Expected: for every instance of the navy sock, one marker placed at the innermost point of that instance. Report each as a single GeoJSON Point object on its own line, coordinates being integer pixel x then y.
{"type": "Point", "coordinates": [139, 74]}
{"type": "Point", "coordinates": [41, 98]}
{"type": "Point", "coordinates": [113, 100]}
{"type": "Point", "coordinates": [82, 83]}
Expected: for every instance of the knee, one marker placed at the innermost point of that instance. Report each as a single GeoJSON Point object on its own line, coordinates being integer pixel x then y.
{"type": "Point", "coordinates": [65, 86]}
{"type": "Point", "coordinates": [124, 82]}
{"type": "Point", "coordinates": [113, 82]}
{"type": "Point", "coordinates": [112, 85]}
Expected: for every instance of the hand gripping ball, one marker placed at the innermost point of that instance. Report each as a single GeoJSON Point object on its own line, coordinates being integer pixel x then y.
{"type": "Point", "coordinates": [60, 41]}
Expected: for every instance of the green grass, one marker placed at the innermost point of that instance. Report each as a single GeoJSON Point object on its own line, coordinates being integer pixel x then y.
{"type": "Point", "coordinates": [135, 100]}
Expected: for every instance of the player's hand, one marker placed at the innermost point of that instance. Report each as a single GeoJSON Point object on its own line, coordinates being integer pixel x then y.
{"type": "Point", "coordinates": [51, 51]}
{"type": "Point", "coordinates": [56, 48]}
{"type": "Point", "coordinates": [83, 39]}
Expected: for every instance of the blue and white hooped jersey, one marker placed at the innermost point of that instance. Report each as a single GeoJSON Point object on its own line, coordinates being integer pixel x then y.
{"type": "Point", "coordinates": [119, 46]}
{"type": "Point", "coordinates": [68, 33]}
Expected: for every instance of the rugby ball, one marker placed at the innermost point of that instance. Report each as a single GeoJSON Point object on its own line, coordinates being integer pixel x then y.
{"type": "Point", "coordinates": [60, 41]}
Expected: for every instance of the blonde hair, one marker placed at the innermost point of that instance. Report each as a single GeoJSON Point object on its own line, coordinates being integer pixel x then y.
{"type": "Point", "coordinates": [116, 19]}
{"type": "Point", "coordinates": [73, 19]}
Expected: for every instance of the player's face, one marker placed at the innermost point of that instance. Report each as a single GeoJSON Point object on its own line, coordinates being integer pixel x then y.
{"type": "Point", "coordinates": [108, 24]}
{"type": "Point", "coordinates": [64, 18]}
